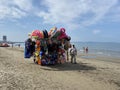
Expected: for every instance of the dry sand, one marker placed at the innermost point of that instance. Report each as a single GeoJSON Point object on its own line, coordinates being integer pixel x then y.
{"type": "Point", "coordinates": [18, 73]}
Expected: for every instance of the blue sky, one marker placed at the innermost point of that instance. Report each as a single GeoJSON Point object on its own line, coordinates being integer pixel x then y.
{"type": "Point", "coordinates": [84, 20]}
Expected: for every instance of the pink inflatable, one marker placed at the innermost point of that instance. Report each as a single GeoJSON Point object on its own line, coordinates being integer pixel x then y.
{"type": "Point", "coordinates": [63, 34]}
{"type": "Point", "coordinates": [37, 33]}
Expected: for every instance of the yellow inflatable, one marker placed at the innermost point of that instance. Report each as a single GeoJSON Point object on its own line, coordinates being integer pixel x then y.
{"type": "Point", "coordinates": [52, 31]}
{"type": "Point", "coordinates": [38, 52]}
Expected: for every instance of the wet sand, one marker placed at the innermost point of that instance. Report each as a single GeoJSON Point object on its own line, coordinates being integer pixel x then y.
{"type": "Point", "coordinates": [18, 73]}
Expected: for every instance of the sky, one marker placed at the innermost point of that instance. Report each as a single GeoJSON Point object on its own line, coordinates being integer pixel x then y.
{"type": "Point", "coordinates": [84, 20]}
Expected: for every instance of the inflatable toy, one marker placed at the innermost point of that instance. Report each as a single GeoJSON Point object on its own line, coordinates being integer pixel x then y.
{"type": "Point", "coordinates": [50, 47]}
{"type": "Point", "coordinates": [52, 31]}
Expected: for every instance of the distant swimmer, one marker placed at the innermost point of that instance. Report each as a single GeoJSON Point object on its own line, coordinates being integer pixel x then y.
{"type": "Point", "coordinates": [87, 50]}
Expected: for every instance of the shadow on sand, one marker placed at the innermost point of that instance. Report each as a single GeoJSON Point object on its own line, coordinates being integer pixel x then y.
{"type": "Point", "coordinates": [69, 67]}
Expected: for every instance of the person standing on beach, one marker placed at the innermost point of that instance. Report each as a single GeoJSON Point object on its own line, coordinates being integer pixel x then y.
{"type": "Point", "coordinates": [73, 53]}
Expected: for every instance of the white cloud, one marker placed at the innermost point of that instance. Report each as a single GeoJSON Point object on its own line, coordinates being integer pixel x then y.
{"type": "Point", "coordinates": [96, 31]}
{"type": "Point", "coordinates": [114, 14]}
{"type": "Point", "coordinates": [25, 5]}
{"type": "Point", "coordinates": [70, 12]}
{"type": "Point", "coordinates": [63, 11]}
{"type": "Point", "coordinates": [14, 8]}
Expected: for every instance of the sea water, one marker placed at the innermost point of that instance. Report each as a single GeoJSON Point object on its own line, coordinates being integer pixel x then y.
{"type": "Point", "coordinates": [108, 49]}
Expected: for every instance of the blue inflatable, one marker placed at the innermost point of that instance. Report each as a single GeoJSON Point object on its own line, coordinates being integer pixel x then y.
{"type": "Point", "coordinates": [27, 50]}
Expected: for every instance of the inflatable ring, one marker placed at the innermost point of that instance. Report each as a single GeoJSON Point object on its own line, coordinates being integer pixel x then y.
{"type": "Point", "coordinates": [42, 34]}
{"type": "Point", "coordinates": [68, 38]}
{"type": "Point", "coordinates": [57, 34]}
{"type": "Point", "coordinates": [62, 30]}
{"type": "Point", "coordinates": [46, 33]}
{"type": "Point", "coordinates": [52, 31]}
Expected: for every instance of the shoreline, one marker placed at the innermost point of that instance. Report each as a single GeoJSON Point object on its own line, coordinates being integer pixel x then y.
{"type": "Point", "coordinates": [98, 57]}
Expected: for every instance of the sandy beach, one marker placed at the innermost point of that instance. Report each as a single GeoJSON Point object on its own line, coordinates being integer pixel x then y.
{"type": "Point", "coordinates": [18, 73]}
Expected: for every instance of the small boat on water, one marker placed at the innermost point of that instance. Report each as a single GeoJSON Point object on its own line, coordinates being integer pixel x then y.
{"type": "Point", "coordinates": [4, 45]}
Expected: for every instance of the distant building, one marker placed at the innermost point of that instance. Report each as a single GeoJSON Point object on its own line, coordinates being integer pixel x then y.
{"type": "Point", "coordinates": [4, 38]}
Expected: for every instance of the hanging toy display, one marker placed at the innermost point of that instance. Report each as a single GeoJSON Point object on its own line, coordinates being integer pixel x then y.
{"type": "Point", "coordinates": [50, 46]}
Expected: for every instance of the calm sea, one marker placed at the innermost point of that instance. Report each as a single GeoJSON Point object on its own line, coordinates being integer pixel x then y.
{"type": "Point", "coordinates": [108, 49]}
